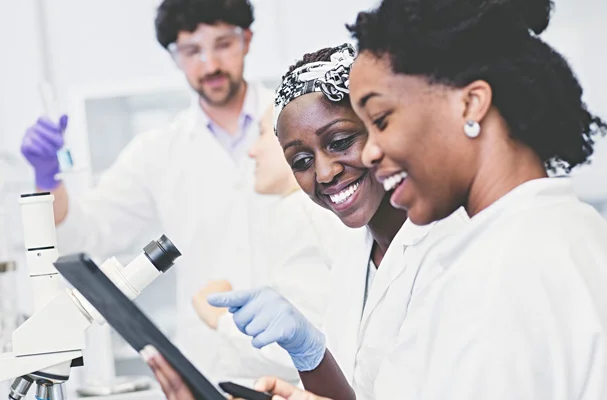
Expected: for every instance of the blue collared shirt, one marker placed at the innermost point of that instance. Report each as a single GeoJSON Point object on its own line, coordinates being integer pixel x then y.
{"type": "Point", "coordinates": [237, 145]}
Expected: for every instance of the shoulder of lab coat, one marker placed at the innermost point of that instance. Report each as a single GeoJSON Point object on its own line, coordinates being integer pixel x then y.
{"type": "Point", "coordinates": [108, 217]}
{"type": "Point", "coordinates": [520, 310]}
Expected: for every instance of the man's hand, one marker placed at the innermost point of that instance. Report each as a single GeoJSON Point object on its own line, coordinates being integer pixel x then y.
{"type": "Point", "coordinates": [207, 313]}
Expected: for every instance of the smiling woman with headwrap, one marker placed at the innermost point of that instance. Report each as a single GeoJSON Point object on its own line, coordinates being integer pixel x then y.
{"type": "Point", "coordinates": [322, 140]}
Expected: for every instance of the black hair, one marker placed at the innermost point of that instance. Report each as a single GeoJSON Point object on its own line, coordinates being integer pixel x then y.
{"type": "Point", "coordinates": [317, 56]}
{"type": "Point", "coordinates": [175, 16]}
{"type": "Point", "coordinates": [455, 42]}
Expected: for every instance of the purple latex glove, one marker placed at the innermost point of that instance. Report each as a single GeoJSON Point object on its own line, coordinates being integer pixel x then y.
{"type": "Point", "coordinates": [40, 145]}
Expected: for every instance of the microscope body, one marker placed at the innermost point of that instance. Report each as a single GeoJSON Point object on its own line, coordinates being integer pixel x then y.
{"type": "Point", "coordinates": [50, 342]}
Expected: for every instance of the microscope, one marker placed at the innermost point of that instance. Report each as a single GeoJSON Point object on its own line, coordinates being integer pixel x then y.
{"type": "Point", "coordinates": [51, 341]}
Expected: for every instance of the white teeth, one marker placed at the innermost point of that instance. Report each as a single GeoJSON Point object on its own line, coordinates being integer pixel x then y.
{"type": "Point", "coordinates": [342, 196]}
{"type": "Point", "coordinates": [393, 181]}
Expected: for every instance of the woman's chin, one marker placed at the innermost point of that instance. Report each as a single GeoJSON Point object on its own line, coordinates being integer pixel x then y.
{"type": "Point", "coordinates": [355, 220]}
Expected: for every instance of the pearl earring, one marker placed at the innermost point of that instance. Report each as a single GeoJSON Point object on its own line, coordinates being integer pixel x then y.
{"type": "Point", "coordinates": [472, 129]}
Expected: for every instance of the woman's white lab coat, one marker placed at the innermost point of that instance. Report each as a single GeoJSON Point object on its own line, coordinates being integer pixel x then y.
{"type": "Point", "coordinates": [359, 340]}
{"type": "Point", "coordinates": [181, 177]}
{"type": "Point", "coordinates": [516, 307]}
{"type": "Point", "coordinates": [300, 246]}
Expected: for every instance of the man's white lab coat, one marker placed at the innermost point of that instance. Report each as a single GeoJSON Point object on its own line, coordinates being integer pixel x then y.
{"type": "Point", "coordinates": [301, 248]}
{"type": "Point", "coordinates": [516, 307]}
{"type": "Point", "coordinates": [359, 340]}
{"type": "Point", "coordinates": [180, 176]}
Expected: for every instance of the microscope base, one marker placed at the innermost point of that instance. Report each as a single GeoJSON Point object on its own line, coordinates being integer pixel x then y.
{"type": "Point", "coordinates": [12, 366]}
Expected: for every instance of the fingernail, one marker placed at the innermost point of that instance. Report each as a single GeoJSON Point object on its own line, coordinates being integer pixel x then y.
{"type": "Point", "coordinates": [148, 353]}
{"type": "Point", "coordinates": [143, 356]}
{"type": "Point", "coordinates": [63, 121]}
{"type": "Point", "coordinates": [259, 385]}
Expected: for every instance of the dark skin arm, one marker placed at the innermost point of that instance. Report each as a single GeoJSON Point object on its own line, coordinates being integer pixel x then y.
{"type": "Point", "coordinates": [327, 380]}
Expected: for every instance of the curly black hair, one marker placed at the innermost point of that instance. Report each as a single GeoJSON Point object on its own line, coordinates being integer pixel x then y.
{"type": "Point", "coordinates": [317, 56]}
{"type": "Point", "coordinates": [455, 42]}
{"type": "Point", "coordinates": [175, 16]}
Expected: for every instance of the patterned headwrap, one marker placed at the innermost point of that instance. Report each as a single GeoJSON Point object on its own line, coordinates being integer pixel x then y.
{"type": "Point", "coordinates": [332, 78]}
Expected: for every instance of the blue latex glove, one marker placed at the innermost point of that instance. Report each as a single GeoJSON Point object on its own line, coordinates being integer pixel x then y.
{"type": "Point", "coordinates": [268, 317]}
{"type": "Point", "coordinates": [40, 145]}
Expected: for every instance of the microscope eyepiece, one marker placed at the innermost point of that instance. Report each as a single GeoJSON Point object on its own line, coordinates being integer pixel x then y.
{"type": "Point", "coordinates": [162, 253]}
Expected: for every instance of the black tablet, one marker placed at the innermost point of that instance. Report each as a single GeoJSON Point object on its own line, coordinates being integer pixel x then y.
{"type": "Point", "coordinates": [129, 321]}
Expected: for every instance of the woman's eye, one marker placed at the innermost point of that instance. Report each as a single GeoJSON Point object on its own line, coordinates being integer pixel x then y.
{"type": "Point", "coordinates": [342, 144]}
{"type": "Point", "coordinates": [300, 163]}
{"type": "Point", "coordinates": [380, 122]}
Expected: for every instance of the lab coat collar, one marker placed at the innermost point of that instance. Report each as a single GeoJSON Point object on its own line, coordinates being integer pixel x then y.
{"type": "Point", "coordinates": [411, 234]}
{"type": "Point", "coordinates": [251, 108]}
{"type": "Point", "coordinates": [393, 263]}
{"type": "Point", "coordinates": [542, 191]}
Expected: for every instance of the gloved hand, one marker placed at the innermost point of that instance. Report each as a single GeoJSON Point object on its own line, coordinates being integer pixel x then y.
{"type": "Point", "coordinates": [40, 145]}
{"type": "Point", "coordinates": [268, 317]}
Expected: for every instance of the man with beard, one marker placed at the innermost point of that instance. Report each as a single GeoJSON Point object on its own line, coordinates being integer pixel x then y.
{"type": "Point", "coordinates": [192, 176]}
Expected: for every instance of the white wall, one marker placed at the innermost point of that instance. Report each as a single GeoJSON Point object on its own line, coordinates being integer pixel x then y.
{"type": "Point", "coordinates": [104, 42]}
{"type": "Point", "coordinates": [18, 69]}
{"type": "Point", "coordinates": [578, 31]}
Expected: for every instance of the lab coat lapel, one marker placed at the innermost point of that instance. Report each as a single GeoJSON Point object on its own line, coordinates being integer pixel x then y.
{"type": "Point", "coordinates": [389, 270]}
{"type": "Point", "coordinates": [393, 265]}
{"type": "Point", "coordinates": [348, 278]}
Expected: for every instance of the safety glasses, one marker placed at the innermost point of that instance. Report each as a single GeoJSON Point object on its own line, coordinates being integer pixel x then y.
{"type": "Point", "coordinates": [221, 46]}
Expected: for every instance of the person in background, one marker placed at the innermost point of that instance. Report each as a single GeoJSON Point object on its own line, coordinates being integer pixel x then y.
{"type": "Point", "coordinates": [192, 176]}
{"type": "Point", "coordinates": [300, 244]}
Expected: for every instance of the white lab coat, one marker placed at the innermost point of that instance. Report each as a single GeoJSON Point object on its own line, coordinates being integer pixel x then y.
{"type": "Point", "coordinates": [181, 177]}
{"type": "Point", "coordinates": [359, 340]}
{"type": "Point", "coordinates": [301, 244]}
{"type": "Point", "coordinates": [516, 307]}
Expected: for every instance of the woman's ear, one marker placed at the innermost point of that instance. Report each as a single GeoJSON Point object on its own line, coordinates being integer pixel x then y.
{"type": "Point", "coordinates": [476, 98]}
